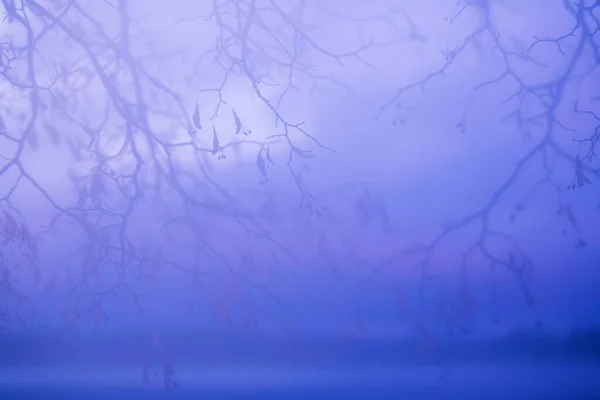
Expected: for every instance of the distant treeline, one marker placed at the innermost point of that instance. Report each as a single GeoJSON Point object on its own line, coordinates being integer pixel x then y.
{"type": "Point", "coordinates": [230, 348]}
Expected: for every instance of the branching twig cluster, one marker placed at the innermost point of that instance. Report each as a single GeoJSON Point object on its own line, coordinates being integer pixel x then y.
{"type": "Point", "coordinates": [538, 104]}
{"type": "Point", "coordinates": [80, 78]}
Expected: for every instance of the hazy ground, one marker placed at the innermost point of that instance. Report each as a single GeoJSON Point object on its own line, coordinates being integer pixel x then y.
{"type": "Point", "coordinates": [525, 380]}
{"type": "Point", "coordinates": [240, 367]}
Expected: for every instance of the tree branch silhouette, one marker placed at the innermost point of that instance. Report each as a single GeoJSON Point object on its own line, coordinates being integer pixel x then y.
{"type": "Point", "coordinates": [80, 79]}
{"type": "Point", "coordinates": [551, 97]}
{"type": "Point", "coordinates": [85, 87]}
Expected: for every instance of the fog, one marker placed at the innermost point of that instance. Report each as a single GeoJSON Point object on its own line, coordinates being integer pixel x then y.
{"type": "Point", "coordinates": [269, 185]}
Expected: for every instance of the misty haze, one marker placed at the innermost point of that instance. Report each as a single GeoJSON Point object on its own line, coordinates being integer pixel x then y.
{"type": "Point", "coordinates": [299, 199]}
